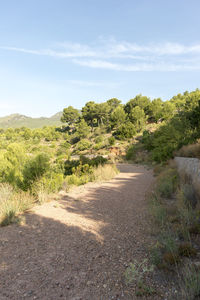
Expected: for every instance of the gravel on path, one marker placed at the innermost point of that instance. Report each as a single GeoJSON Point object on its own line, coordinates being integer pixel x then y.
{"type": "Point", "coordinates": [80, 246]}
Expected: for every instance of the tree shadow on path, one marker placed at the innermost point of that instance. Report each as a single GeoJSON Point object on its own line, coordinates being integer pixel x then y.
{"type": "Point", "coordinates": [79, 248]}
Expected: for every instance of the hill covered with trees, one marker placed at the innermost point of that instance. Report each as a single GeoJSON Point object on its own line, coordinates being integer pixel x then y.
{"type": "Point", "coordinates": [36, 162]}
{"type": "Point", "coordinates": [17, 120]}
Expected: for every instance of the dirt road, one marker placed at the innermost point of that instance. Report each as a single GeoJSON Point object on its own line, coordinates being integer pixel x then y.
{"type": "Point", "coordinates": [78, 247]}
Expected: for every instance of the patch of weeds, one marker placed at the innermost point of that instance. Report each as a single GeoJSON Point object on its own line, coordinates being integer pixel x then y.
{"type": "Point", "coordinates": [170, 258]}
{"type": "Point", "coordinates": [186, 249]}
{"type": "Point", "coordinates": [167, 182]}
{"type": "Point", "coordinates": [156, 255]}
{"type": "Point", "coordinates": [135, 273]}
{"type": "Point", "coordinates": [194, 228]}
{"type": "Point", "coordinates": [168, 240]}
{"type": "Point", "coordinates": [10, 218]}
{"type": "Point", "coordinates": [190, 283]}
{"type": "Point", "coordinates": [168, 249]}
{"type": "Point", "coordinates": [189, 219]}
{"type": "Point", "coordinates": [158, 211]}
{"type": "Point", "coordinates": [144, 290]}
{"type": "Point", "coordinates": [188, 192]}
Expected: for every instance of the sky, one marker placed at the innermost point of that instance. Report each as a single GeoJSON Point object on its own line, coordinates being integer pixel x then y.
{"type": "Point", "coordinates": [56, 53]}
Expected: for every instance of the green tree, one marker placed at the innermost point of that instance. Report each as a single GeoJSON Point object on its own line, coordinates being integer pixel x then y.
{"type": "Point", "coordinates": [113, 104]}
{"type": "Point", "coordinates": [125, 131]}
{"type": "Point", "coordinates": [70, 115]}
{"type": "Point", "coordinates": [168, 110]}
{"type": "Point", "coordinates": [82, 129]}
{"type": "Point", "coordinates": [34, 169]}
{"type": "Point", "coordinates": [102, 113]}
{"type": "Point", "coordinates": [14, 159]}
{"type": "Point", "coordinates": [142, 101]}
{"type": "Point", "coordinates": [137, 117]}
{"type": "Point", "coordinates": [155, 110]}
{"type": "Point", "coordinates": [89, 113]}
{"type": "Point", "coordinates": [118, 116]}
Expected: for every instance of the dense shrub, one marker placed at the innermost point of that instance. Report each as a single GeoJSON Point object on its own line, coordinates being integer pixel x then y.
{"type": "Point", "coordinates": [131, 153]}
{"type": "Point", "coordinates": [83, 145]}
{"type": "Point", "coordinates": [50, 183]}
{"type": "Point", "coordinates": [34, 169]}
{"type": "Point", "coordinates": [125, 131]}
{"type": "Point", "coordinates": [83, 165]}
{"type": "Point", "coordinates": [98, 146]}
{"type": "Point", "coordinates": [111, 140]}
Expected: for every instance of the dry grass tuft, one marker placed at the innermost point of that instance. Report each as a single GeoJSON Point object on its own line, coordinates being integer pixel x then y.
{"type": "Point", "coordinates": [192, 150]}
{"type": "Point", "coordinates": [12, 203]}
{"type": "Point", "coordinates": [106, 172]}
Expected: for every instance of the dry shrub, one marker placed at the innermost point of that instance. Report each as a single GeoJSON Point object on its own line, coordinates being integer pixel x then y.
{"type": "Point", "coordinates": [192, 150]}
{"type": "Point", "coordinates": [194, 228]}
{"type": "Point", "coordinates": [186, 249]}
{"type": "Point", "coordinates": [13, 203]}
{"type": "Point", "coordinates": [158, 169]}
{"type": "Point", "coordinates": [106, 172]}
{"type": "Point", "coordinates": [170, 258]}
{"type": "Point", "coordinates": [141, 157]}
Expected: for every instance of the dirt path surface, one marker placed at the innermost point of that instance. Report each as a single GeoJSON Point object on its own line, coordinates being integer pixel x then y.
{"type": "Point", "coordinates": [78, 247]}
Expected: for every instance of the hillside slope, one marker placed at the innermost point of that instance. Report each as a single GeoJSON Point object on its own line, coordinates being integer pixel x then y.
{"type": "Point", "coordinates": [17, 120]}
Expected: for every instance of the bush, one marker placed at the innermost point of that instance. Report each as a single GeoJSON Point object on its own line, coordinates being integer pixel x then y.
{"type": "Point", "coordinates": [76, 180]}
{"type": "Point", "coordinates": [167, 182]}
{"type": "Point", "coordinates": [131, 153]}
{"type": "Point", "coordinates": [50, 183]}
{"type": "Point", "coordinates": [83, 145]}
{"type": "Point", "coordinates": [84, 165]}
{"type": "Point", "coordinates": [98, 146]}
{"type": "Point", "coordinates": [69, 165]}
{"type": "Point", "coordinates": [12, 203]}
{"type": "Point", "coordinates": [125, 131]}
{"type": "Point", "coordinates": [192, 150]}
{"type": "Point", "coordinates": [186, 249]}
{"type": "Point", "coordinates": [111, 140]}
{"type": "Point", "coordinates": [102, 173]}
{"type": "Point", "coordinates": [34, 169]}
{"type": "Point", "coordinates": [99, 139]}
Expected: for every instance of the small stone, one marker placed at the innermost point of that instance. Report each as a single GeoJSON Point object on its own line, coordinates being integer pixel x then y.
{"type": "Point", "coordinates": [105, 286]}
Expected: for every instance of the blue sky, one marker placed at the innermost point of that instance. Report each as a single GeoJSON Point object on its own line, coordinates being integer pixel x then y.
{"type": "Point", "coordinates": [56, 53]}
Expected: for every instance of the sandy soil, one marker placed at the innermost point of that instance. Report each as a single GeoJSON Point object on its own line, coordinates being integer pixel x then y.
{"type": "Point", "coordinates": [80, 246]}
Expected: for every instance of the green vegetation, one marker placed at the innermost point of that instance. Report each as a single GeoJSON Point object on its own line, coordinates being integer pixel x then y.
{"type": "Point", "coordinates": [17, 120]}
{"type": "Point", "coordinates": [37, 162]}
{"type": "Point", "coordinates": [176, 131]}
{"type": "Point", "coordinates": [136, 273]}
{"type": "Point", "coordinates": [174, 208]}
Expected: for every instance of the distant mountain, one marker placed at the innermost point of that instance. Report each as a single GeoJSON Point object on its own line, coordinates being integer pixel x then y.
{"type": "Point", "coordinates": [17, 120]}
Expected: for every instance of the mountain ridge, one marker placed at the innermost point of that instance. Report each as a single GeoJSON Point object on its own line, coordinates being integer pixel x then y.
{"type": "Point", "coordinates": [17, 120]}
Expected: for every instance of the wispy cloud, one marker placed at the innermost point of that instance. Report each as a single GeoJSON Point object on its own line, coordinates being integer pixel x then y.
{"type": "Point", "coordinates": [124, 56]}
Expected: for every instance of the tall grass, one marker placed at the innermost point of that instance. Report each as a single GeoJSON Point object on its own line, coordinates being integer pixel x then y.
{"type": "Point", "coordinates": [190, 283]}
{"type": "Point", "coordinates": [106, 172]}
{"type": "Point", "coordinates": [12, 203]}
